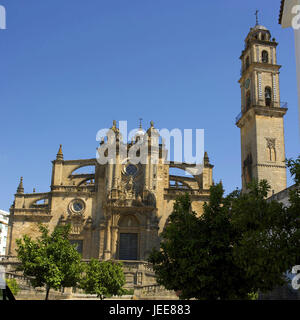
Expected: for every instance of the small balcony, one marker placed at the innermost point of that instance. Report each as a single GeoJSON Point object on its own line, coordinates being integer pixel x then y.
{"type": "Point", "coordinates": [282, 105]}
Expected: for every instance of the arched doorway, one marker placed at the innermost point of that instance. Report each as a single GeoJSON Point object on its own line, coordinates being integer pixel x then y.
{"type": "Point", "coordinates": [128, 238]}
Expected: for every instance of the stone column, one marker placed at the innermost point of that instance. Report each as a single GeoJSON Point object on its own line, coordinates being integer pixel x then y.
{"type": "Point", "coordinates": [150, 173]}
{"type": "Point", "coordinates": [87, 250]}
{"type": "Point", "coordinates": [114, 238]}
{"type": "Point", "coordinates": [148, 244]}
{"type": "Point", "coordinates": [147, 172]}
{"type": "Point", "coordinates": [109, 174]}
{"type": "Point", "coordinates": [102, 242]}
{"type": "Point", "coordinates": [107, 252]}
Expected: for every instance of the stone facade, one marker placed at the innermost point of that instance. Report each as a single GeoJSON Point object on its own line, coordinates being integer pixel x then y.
{"type": "Point", "coordinates": [261, 119]}
{"type": "Point", "coordinates": [116, 212]}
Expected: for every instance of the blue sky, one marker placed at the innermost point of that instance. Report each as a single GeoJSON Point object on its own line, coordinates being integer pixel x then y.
{"type": "Point", "coordinates": [68, 68]}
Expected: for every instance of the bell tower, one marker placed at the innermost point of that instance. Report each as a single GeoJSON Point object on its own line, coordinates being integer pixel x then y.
{"type": "Point", "coordinates": [261, 118]}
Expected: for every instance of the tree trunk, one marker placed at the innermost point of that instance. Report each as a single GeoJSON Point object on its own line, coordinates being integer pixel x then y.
{"type": "Point", "coordinates": [47, 292]}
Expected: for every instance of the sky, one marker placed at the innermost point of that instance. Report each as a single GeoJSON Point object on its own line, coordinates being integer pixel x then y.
{"type": "Point", "coordinates": [69, 68]}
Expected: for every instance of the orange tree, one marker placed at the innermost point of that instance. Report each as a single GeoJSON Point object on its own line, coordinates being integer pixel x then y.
{"type": "Point", "coordinates": [241, 244]}
{"type": "Point", "coordinates": [50, 260]}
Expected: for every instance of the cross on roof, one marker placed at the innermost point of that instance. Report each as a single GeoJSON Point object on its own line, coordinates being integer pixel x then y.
{"type": "Point", "coordinates": [256, 13]}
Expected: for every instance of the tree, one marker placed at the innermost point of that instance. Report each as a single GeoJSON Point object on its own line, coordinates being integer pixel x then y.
{"type": "Point", "coordinates": [269, 240]}
{"type": "Point", "coordinates": [104, 278]}
{"type": "Point", "coordinates": [242, 243]}
{"type": "Point", "coordinates": [13, 286]}
{"type": "Point", "coordinates": [50, 260]}
{"type": "Point", "coordinates": [270, 245]}
{"type": "Point", "coordinates": [196, 253]}
{"type": "Point", "coordinates": [294, 166]}
{"type": "Point", "coordinates": [175, 264]}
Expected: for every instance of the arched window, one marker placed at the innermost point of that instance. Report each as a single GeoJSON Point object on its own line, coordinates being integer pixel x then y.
{"type": "Point", "coordinates": [268, 96]}
{"type": "Point", "coordinates": [262, 37]}
{"type": "Point", "coordinates": [265, 56]}
{"type": "Point", "coordinates": [248, 100]}
{"type": "Point", "coordinates": [271, 149]}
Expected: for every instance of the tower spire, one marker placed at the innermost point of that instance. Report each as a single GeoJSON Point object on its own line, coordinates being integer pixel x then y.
{"type": "Point", "coordinates": [206, 159]}
{"type": "Point", "coordinates": [140, 122]}
{"type": "Point", "coordinates": [20, 187]}
{"type": "Point", "coordinates": [60, 155]}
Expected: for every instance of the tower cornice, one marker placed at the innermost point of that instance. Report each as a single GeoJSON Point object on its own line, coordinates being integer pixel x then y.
{"type": "Point", "coordinates": [260, 66]}
{"type": "Point", "coordinates": [261, 111]}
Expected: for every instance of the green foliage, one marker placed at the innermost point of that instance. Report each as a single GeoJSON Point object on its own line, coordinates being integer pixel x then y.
{"type": "Point", "coordinates": [178, 256]}
{"type": "Point", "coordinates": [294, 166]}
{"type": "Point", "coordinates": [196, 257]}
{"type": "Point", "coordinates": [50, 260]}
{"type": "Point", "coordinates": [13, 286]}
{"type": "Point", "coordinates": [104, 279]}
{"type": "Point", "coordinates": [130, 292]}
{"type": "Point", "coordinates": [253, 296]}
{"type": "Point", "coordinates": [240, 245]}
{"type": "Point", "coordinates": [294, 194]}
{"type": "Point", "coordinates": [269, 240]}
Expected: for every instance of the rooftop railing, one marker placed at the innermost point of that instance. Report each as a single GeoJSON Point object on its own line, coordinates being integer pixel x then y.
{"type": "Point", "coordinates": [239, 116]}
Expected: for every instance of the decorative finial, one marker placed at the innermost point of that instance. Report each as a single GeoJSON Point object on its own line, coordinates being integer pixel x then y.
{"type": "Point", "coordinates": [114, 127]}
{"type": "Point", "coordinates": [256, 13]}
{"type": "Point", "coordinates": [140, 122]}
{"type": "Point", "coordinates": [60, 155]}
{"type": "Point", "coordinates": [20, 187]}
{"type": "Point", "coordinates": [206, 159]}
{"type": "Point", "coordinates": [151, 130]}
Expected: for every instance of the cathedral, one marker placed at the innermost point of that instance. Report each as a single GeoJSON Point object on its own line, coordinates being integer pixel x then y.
{"type": "Point", "coordinates": [118, 210]}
